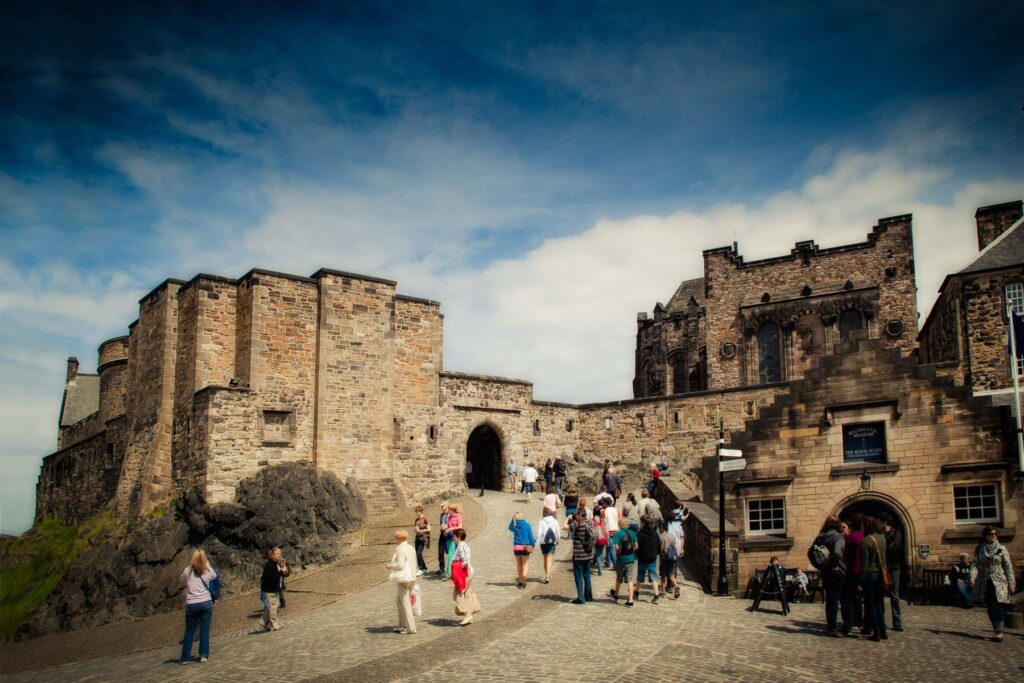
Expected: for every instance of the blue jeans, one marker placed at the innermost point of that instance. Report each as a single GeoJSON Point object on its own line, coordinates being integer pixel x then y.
{"type": "Point", "coordinates": [966, 592]}
{"type": "Point", "coordinates": [559, 485]}
{"type": "Point", "coordinates": [199, 614]}
{"type": "Point", "coordinates": [874, 603]}
{"type": "Point", "coordinates": [894, 598]}
{"type": "Point", "coordinates": [609, 558]}
{"type": "Point", "coordinates": [832, 583]}
{"type": "Point", "coordinates": [996, 610]}
{"type": "Point", "coordinates": [581, 572]}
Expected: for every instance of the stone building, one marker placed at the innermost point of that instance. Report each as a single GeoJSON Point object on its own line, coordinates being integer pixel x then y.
{"type": "Point", "coordinates": [764, 321]}
{"type": "Point", "coordinates": [806, 361]}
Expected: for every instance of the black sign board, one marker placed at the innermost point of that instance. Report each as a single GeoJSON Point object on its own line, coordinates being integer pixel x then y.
{"type": "Point", "coordinates": [864, 442]}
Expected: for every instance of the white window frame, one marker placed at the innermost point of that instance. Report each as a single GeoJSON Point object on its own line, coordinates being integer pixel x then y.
{"type": "Point", "coordinates": [997, 504]}
{"type": "Point", "coordinates": [1014, 292]}
{"type": "Point", "coordinates": [758, 501]}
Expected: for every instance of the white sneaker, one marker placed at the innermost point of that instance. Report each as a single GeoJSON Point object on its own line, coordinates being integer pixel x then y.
{"type": "Point", "coordinates": [420, 573]}
{"type": "Point", "coordinates": [204, 660]}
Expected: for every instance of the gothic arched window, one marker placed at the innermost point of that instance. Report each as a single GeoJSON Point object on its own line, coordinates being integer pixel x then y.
{"type": "Point", "coordinates": [848, 322]}
{"type": "Point", "coordinates": [768, 354]}
{"type": "Point", "coordinates": [679, 374]}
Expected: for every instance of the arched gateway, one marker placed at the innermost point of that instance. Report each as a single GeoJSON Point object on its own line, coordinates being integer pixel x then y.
{"type": "Point", "coordinates": [874, 506]}
{"type": "Point", "coordinates": [483, 449]}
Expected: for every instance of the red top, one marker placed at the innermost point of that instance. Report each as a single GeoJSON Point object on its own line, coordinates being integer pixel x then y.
{"type": "Point", "coordinates": [655, 473]}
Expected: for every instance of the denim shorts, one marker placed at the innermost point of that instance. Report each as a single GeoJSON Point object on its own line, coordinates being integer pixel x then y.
{"type": "Point", "coordinates": [645, 569]}
{"type": "Point", "coordinates": [528, 486]}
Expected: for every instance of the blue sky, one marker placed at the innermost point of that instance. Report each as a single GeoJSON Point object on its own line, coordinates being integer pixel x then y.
{"type": "Point", "coordinates": [544, 171]}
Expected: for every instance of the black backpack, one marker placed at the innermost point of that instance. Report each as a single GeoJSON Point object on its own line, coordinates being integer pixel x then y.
{"type": "Point", "coordinates": [627, 546]}
{"type": "Point", "coordinates": [560, 467]}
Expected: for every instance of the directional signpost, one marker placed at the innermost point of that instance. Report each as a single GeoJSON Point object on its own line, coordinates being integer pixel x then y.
{"type": "Point", "coordinates": [730, 453]}
{"type": "Point", "coordinates": [732, 465]}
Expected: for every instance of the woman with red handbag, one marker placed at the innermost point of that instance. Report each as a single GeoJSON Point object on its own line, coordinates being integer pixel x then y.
{"type": "Point", "coordinates": [466, 603]}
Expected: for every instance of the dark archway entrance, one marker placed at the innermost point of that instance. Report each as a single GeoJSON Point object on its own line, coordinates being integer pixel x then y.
{"type": "Point", "coordinates": [874, 508]}
{"type": "Point", "coordinates": [484, 450]}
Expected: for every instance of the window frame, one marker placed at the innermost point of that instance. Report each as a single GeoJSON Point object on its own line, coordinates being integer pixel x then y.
{"type": "Point", "coordinates": [749, 503]}
{"type": "Point", "coordinates": [997, 503]}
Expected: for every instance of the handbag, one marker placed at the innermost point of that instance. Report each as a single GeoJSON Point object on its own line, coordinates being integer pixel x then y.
{"type": "Point", "coordinates": [416, 598]}
{"type": "Point", "coordinates": [886, 576]}
{"type": "Point", "coordinates": [460, 574]}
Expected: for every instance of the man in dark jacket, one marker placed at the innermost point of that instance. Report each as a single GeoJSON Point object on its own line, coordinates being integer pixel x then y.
{"type": "Point", "coordinates": [893, 561]}
{"type": "Point", "coordinates": [648, 548]}
{"type": "Point", "coordinates": [833, 569]}
{"type": "Point", "coordinates": [270, 583]}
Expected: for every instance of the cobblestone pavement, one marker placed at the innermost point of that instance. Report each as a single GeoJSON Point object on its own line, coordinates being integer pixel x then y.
{"type": "Point", "coordinates": [537, 634]}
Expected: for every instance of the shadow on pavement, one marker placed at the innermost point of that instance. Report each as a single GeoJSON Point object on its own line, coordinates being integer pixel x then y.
{"type": "Point", "coordinates": [788, 629]}
{"type": "Point", "coordinates": [380, 629]}
{"type": "Point", "coordinates": [962, 634]}
{"type": "Point", "coordinates": [443, 622]}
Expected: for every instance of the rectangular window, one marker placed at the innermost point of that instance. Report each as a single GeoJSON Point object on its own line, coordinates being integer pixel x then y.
{"type": "Point", "coordinates": [536, 427]}
{"type": "Point", "coordinates": [766, 516]}
{"type": "Point", "coordinates": [607, 424]}
{"type": "Point", "coordinates": [569, 424]}
{"type": "Point", "coordinates": [864, 442]}
{"type": "Point", "coordinates": [1015, 301]}
{"type": "Point", "coordinates": [976, 504]}
{"type": "Point", "coordinates": [277, 427]}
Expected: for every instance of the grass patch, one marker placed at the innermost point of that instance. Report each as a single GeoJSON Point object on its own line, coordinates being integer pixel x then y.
{"type": "Point", "coordinates": [32, 565]}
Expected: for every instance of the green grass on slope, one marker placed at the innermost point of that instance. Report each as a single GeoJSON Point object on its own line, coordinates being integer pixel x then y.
{"type": "Point", "coordinates": [32, 565]}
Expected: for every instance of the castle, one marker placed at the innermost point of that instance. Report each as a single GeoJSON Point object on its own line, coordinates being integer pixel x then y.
{"type": "Point", "coordinates": [811, 362]}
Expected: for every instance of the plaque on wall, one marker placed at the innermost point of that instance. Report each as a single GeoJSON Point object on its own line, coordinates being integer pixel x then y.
{"type": "Point", "coordinates": [864, 442]}
{"type": "Point", "coordinates": [728, 350]}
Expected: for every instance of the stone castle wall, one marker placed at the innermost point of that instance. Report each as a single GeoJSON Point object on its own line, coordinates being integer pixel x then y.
{"type": "Point", "coordinates": [987, 331]}
{"type": "Point", "coordinates": [885, 261]}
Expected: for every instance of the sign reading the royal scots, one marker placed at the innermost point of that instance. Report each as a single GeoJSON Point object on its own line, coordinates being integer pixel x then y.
{"type": "Point", "coordinates": [864, 442]}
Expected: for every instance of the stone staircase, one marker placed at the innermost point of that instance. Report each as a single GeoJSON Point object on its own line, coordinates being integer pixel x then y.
{"type": "Point", "coordinates": [382, 497]}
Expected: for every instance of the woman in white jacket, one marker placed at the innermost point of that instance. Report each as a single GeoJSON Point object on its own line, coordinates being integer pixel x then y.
{"type": "Point", "coordinates": [547, 535]}
{"type": "Point", "coordinates": [403, 573]}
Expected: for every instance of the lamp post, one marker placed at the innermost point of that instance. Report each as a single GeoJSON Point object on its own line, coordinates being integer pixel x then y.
{"type": "Point", "coordinates": [723, 581]}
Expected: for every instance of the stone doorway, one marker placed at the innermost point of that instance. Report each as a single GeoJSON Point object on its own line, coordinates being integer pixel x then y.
{"type": "Point", "coordinates": [875, 507]}
{"type": "Point", "coordinates": [483, 449]}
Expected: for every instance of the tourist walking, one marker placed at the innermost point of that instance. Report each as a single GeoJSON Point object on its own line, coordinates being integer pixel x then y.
{"type": "Point", "coordinates": [603, 497]}
{"type": "Point", "coordinates": [630, 516]}
{"type": "Point", "coordinates": [996, 582]}
{"type": "Point", "coordinates": [648, 506]}
{"type": "Point", "coordinates": [548, 533]}
{"type": "Point", "coordinates": [551, 500]}
{"type": "Point", "coordinates": [530, 476]}
{"type": "Point", "coordinates": [612, 482]}
{"type": "Point", "coordinates": [442, 540]}
{"type": "Point", "coordinates": [670, 553]}
{"type": "Point", "coordinates": [549, 474]}
{"type": "Point", "coordinates": [422, 539]}
{"type": "Point", "coordinates": [522, 545]}
{"type": "Point", "coordinates": [454, 522]}
{"type": "Point", "coordinates": [469, 474]}
{"type": "Point", "coordinates": [624, 541]}
{"type": "Point", "coordinates": [274, 571]}
{"type": "Point", "coordinates": [560, 471]}
{"type": "Point", "coordinates": [600, 537]}
{"type": "Point", "coordinates": [648, 549]}
{"type": "Point", "coordinates": [201, 594]}
{"type": "Point", "coordinates": [873, 569]}
{"type": "Point", "coordinates": [583, 539]}
{"type": "Point", "coordinates": [512, 472]}
{"type": "Point", "coordinates": [610, 516]}
{"type": "Point", "coordinates": [827, 554]}
{"type": "Point", "coordinates": [894, 563]}
{"type": "Point", "coordinates": [403, 573]}
{"type": "Point", "coordinates": [466, 603]}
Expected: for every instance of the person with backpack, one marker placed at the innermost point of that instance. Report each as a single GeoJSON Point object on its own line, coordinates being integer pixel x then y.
{"type": "Point", "coordinates": [610, 516]}
{"type": "Point", "coordinates": [670, 547]}
{"type": "Point", "coordinates": [202, 592]}
{"type": "Point", "coordinates": [649, 507]}
{"type": "Point", "coordinates": [560, 471]}
{"type": "Point", "coordinates": [548, 533]}
{"type": "Point", "coordinates": [522, 545]}
{"type": "Point", "coordinates": [274, 570]}
{"type": "Point", "coordinates": [827, 555]}
{"type": "Point", "coordinates": [583, 539]}
{"type": "Point", "coordinates": [612, 483]}
{"type": "Point", "coordinates": [630, 514]}
{"type": "Point", "coordinates": [648, 549]}
{"type": "Point", "coordinates": [624, 541]}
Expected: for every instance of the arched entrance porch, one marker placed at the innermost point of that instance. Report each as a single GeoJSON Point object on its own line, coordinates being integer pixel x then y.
{"type": "Point", "coordinates": [875, 506]}
{"type": "Point", "coordinates": [483, 449]}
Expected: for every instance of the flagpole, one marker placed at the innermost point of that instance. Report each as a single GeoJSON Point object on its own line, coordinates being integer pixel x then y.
{"type": "Point", "coordinates": [1016, 387]}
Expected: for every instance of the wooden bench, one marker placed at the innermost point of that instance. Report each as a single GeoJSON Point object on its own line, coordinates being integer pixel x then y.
{"type": "Point", "coordinates": [933, 587]}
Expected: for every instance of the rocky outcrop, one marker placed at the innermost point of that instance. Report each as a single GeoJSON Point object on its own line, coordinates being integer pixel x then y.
{"type": "Point", "coordinates": [134, 573]}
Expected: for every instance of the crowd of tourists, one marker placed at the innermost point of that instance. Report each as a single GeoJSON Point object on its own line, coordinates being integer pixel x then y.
{"type": "Point", "coordinates": [858, 559]}
{"type": "Point", "coordinates": [860, 564]}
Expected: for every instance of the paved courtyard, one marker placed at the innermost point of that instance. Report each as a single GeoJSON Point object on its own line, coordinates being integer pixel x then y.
{"type": "Point", "coordinates": [538, 635]}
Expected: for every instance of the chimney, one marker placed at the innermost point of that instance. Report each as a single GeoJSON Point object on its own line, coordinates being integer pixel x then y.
{"type": "Point", "coordinates": [72, 369]}
{"type": "Point", "coordinates": [994, 220]}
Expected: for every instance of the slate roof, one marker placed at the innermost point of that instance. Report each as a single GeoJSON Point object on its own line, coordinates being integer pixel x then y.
{"type": "Point", "coordinates": [1005, 251]}
{"type": "Point", "coordinates": [81, 399]}
{"type": "Point", "coordinates": [687, 288]}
